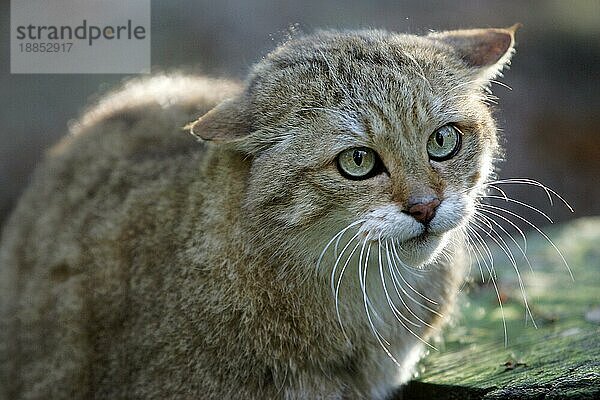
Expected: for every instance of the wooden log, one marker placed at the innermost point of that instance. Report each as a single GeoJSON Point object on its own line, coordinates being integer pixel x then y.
{"type": "Point", "coordinates": [560, 359]}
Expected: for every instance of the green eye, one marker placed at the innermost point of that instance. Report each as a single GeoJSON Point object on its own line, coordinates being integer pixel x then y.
{"type": "Point", "coordinates": [357, 163]}
{"type": "Point", "coordinates": [444, 143]}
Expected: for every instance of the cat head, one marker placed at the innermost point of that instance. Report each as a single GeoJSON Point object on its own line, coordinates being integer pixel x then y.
{"type": "Point", "coordinates": [388, 134]}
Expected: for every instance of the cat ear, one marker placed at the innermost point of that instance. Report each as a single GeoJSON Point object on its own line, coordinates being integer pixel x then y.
{"type": "Point", "coordinates": [486, 50]}
{"type": "Point", "coordinates": [227, 122]}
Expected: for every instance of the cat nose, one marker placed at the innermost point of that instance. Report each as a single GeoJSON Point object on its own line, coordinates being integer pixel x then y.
{"type": "Point", "coordinates": [423, 211]}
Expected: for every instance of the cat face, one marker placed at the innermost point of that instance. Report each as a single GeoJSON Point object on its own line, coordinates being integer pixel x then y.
{"type": "Point", "coordinates": [387, 135]}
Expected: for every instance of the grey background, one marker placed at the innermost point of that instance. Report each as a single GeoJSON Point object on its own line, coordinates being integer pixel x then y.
{"type": "Point", "coordinates": [549, 119]}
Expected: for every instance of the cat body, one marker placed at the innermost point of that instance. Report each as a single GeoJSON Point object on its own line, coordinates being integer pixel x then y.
{"type": "Point", "coordinates": [141, 263]}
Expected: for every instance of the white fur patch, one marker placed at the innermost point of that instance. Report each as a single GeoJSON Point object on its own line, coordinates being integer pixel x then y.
{"type": "Point", "coordinates": [390, 222]}
{"type": "Point", "coordinates": [452, 212]}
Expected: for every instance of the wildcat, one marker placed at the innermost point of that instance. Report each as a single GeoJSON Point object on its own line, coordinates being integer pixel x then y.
{"type": "Point", "coordinates": [308, 247]}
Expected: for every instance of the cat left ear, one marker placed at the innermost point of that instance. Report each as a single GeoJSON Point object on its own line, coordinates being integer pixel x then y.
{"type": "Point", "coordinates": [227, 122]}
{"type": "Point", "coordinates": [487, 50]}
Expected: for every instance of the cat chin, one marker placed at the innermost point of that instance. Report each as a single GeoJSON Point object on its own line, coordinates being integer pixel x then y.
{"type": "Point", "coordinates": [422, 250]}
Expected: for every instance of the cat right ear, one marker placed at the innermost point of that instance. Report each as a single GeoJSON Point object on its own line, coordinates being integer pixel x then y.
{"type": "Point", "coordinates": [485, 50]}
{"type": "Point", "coordinates": [225, 123]}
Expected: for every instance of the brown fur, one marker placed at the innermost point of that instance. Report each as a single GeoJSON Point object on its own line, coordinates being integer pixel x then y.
{"type": "Point", "coordinates": [142, 264]}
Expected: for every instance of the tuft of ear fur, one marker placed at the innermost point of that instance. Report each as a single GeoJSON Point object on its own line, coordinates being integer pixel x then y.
{"type": "Point", "coordinates": [227, 122]}
{"type": "Point", "coordinates": [486, 50]}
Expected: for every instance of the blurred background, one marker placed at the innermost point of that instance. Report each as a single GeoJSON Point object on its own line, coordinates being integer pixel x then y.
{"type": "Point", "coordinates": [549, 120]}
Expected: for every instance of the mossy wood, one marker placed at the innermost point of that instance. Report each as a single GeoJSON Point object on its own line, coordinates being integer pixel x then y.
{"type": "Point", "coordinates": [560, 359]}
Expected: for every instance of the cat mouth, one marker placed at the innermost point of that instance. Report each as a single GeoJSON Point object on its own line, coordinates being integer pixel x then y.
{"type": "Point", "coordinates": [422, 238]}
{"type": "Point", "coordinates": [421, 249]}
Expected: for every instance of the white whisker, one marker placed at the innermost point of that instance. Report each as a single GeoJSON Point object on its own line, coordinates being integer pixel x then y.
{"type": "Point", "coordinates": [393, 307]}
{"type": "Point", "coordinates": [362, 273]}
{"type": "Point", "coordinates": [510, 200]}
{"type": "Point", "coordinates": [492, 278]}
{"type": "Point", "coordinates": [486, 249]}
{"type": "Point", "coordinates": [504, 85]}
{"type": "Point", "coordinates": [397, 285]}
{"type": "Point", "coordinates": [537, 230]}
{"type": "Point", "coordinates": [337, 289]}
{"type": "Point", "coordinates": [508, 221]}
{"type": "Point", "coordinates": [341, 232]}
{"type": "Point", "coordinates": [363, 276]}
{"type": "Point", "coordinates": [477, 220]}
{"type": "Point", "coordinates": [506, 249]}
{"type": "Point", "coordinates": [523, 249]}
{"type": "Point", "coordinates": [465, 239]}
{"type": "Point", "coordinates": [337, 261]}
{"type": "Point", "coordinates": [396, 258]}
{"type": "Point", "coordinates": [411, 270]}
{"type": "Point", "coordinates": [472, 252]}
{"type": "Point", "coordinates": [397, 312]}
{"type": "Point", "coordinates": [533, 182]}
{"type": "Point", "coordinates": [499, 190]}
{"type": "Point", "coordinates": [395, 276]}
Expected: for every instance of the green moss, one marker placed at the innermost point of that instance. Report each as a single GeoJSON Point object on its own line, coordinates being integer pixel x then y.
{"type": "Point", "coordinates": [558, 359]}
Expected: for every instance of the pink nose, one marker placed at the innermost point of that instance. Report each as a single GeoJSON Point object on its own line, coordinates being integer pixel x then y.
{"type": "Point", "coordinates": [424, 212]}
